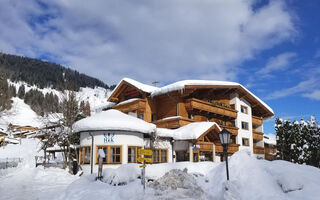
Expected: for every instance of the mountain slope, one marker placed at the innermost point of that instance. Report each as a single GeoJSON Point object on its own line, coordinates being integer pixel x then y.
{"type": "Point", "coordinates": [45, 74]}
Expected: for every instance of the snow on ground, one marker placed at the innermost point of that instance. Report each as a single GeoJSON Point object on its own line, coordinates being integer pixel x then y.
{"type": "Point", "coordinates": [34, 183]}
{"type": "Point", "coordinates": [27, 150]}
{"type": "Point", "coordinates": [26, 181]}
{"type": "Point", "coordinates": [97, 96]}
{"type": "Point", "coordinates": [20, 114]}
{"type": "Point", "coordinates": [249, 179]}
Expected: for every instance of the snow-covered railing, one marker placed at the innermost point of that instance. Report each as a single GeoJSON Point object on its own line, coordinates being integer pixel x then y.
{"type": "Point", "coordinates": [9, 162]}
{"type": "Point", "coordinates": [49, 161]}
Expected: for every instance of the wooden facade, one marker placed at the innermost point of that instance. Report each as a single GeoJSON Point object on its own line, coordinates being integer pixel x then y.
{"type": "Point", "coordinates": [195, 103]}
{"type": "Point", "coordinates": [270, 151]}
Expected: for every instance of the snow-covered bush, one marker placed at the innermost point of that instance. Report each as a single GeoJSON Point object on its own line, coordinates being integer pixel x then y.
{"type": "Point", "coordinates": [121, 175]}
{"type": "Point", "coordinates": [298, 142]}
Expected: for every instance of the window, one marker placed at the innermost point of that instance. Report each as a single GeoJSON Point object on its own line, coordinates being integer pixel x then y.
{"type": "Point", "coordinates": [159, 155]}
{"type": "Point", "coordinates": [113, 154]}
{"type": "Point", "coordinates": [182, 156]}
{"type": "Point", "coordinates": [244, 109]}
{"type": "Point", "coordinates": [244, 125]}
{"type": "Point", "coordinates": [195, 156]}
{"type": "Point", "coordinates": [233, 139]}
{"type": "Point", "coordinates": [105, 150]}
{"type": "Point", "coordinates": [164, 156]}
{"type": "Point", "coordinates": [140, 116]}
{"type": "Point", "coordinates": [133, 154]}
{"type": "Point", "coordinates": [85, 155]}
{"type": "Point", "coordinates": [245, 141]}
{"type": "Point", "coordinates": [153, 117]}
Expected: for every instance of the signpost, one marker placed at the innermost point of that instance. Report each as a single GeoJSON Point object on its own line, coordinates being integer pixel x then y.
{"type": "Point", "coordinates": [144, 160]}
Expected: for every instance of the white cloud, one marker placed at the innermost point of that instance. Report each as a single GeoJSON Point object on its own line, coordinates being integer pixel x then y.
{"type": "Point", "coordinates": [278, 63]}
{"type": "Point", "coordinates": [302, 87]}
{"type": "Point", "coordinates": [315, 95]}
{"type": "Point", "coordinates": [149, 40]}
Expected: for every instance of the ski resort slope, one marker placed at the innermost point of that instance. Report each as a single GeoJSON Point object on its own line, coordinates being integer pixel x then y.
{"type": "Point", "coordinates": [250, 179]}
{"type": "Point", "coordinates": [20, 114]}
{"type": "Point", "coordinates": [97, 97]}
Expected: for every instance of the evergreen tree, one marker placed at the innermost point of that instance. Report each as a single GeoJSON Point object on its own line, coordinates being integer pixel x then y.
{"type": "Point", "coordinates": [12, 91]}
{"type": "Point", "coordinates": [87, 110]}
{"type": "Point", "coordinates": [298, 142]}
{"type": "Point", "coordinates": [70, 108]}
{"type": "Point", "coordinates": [21, 92]}
{"type": "Point", "coordinates": [5, 98]}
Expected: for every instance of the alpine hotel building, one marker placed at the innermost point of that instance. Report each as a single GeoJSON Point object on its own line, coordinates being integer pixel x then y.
{"type": "Point", "coordinates": [183, 119]}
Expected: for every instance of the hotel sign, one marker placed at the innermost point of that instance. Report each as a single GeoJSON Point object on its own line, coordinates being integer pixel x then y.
{"type": "Point", "coordinates": [108, 137]}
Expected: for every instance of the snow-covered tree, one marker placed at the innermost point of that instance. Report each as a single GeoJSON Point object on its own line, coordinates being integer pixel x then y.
{"type": "Point", "coordinates": [298, 142]}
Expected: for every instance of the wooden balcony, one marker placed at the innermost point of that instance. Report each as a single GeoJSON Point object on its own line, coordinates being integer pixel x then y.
{"type": "Point", "coordinates": [208, 147]}
{"type": "Point", "coordinates": [231, 129]}
{"type": "Point", "coordinates": [173, 122]}
{"type": "Point", "coordinates": [257, 120]}
{"type": "Point", "coordinates": [232, 148]}
{"type": "Point", "coordinates": [269, 157]}
{"type": "Point", "coordinates": [138, 105]}
{"type": "Point", "coordinates": [201, 105]}
{"type": "Point", "coordinates": [257, 135]}
{"type": "Point", "coordinates": [258, 150]}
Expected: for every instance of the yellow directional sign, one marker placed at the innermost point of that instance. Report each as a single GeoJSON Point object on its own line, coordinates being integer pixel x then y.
{"type": "Point", "coordinates": [142, 166]}
{"type": "Point", "coordinates": [147, 160]}
{"type": "Point", "coordinates": [145, 152]}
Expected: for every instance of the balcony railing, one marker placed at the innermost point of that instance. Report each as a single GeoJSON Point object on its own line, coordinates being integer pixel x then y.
{"type": "Point", "coordinates": [211, 107]}
{"type": "Point", "coordinates": [258, 150]}
{"type": "Point", "coordinates": [257, 120]}
{"type": "Point", "coordinates": [138, 105]}
{"type": "Point", "coordinates": [173, 122]}
{"type": "Point", "coordinates": [231, 129]}
{"type": "Point", "coordinates": [232, 148]}
{"type": "Point", "coordinates": [208, 147]}
{"type": "Point", "coordinates": [257, 135]}
{"type": "Point", "coordinates": [269, 157]}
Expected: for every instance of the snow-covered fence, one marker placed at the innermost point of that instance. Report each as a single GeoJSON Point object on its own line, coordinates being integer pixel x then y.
{"type": "Point", "coordinates": [48, 162]}
{"type": "Point", "coordinates": [9, 162]}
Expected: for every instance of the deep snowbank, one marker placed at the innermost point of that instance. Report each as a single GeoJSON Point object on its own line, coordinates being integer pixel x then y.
{"type": "Point", "coordinates": [27, 150]}
{"type": "Point", "coordinates": [260, 179]}
{"type": "Point", "coordinates": [249, 179]}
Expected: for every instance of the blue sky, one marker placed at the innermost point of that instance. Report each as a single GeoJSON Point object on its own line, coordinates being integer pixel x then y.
{"type": "Point", "coordinates": [271, 47]}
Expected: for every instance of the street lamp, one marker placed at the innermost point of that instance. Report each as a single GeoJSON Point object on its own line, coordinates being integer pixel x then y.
{"type": "Point", "coordinates": [224, 136]}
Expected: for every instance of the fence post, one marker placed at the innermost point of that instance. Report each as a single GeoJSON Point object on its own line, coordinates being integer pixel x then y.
{"type": "Point", "coordinates": [6, 163]}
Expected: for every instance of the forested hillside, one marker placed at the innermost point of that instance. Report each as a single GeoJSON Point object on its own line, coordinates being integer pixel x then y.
{"type": "Point", "coordinates": [43, 85]}
{"type": "Point", "coordinates": [45, 74]}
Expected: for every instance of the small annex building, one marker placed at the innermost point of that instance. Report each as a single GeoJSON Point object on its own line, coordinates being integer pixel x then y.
{"type": "Point", "coordinates": [121, 135]}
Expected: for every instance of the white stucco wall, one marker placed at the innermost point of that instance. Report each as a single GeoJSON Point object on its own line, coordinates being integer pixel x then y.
{"type": "Point", "coordinates": [242, 117]}
{"type": "Point", "coordinates": [120, 138]}
{"type": "Point", "coordinates": [123, 139]}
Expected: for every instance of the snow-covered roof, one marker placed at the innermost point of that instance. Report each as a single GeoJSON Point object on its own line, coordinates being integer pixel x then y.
{"type": "Point", "coordinates": [128, 101]}
{"type": "Point", "coordinates": [180, 85]}
{"type": "Point", "coordinates": [113, 120]}
{"type": "Point", "coordinates": [270, 139]}
{"type": "Point", "coordinates": [191, 131]}
{"type": "Point", "coordinates": [141, 86]}
{"type": "Point", "coordinates": [105, 106]}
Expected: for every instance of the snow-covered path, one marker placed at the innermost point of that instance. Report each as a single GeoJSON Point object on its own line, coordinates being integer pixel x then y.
{"type": "Point", "coordinates": [34, 183]}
